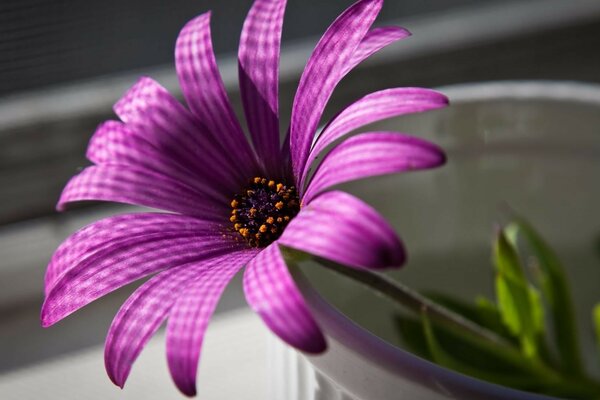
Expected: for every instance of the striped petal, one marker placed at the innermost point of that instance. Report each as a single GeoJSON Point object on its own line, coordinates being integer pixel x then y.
{"type": "Point", "coordinates": [141, 316]}
{"type": "Point", "coordinates": [342, 228]}
{"type": "Point", "coordinates": [259, 76]}
{"type": "Point", "coordinates": [153, 113]}
{"type": "Point", "coordinates": [116, 144]}
{"type": "Point", "coordinates": [143, 313]}
{"type": "Point", "coordinates": [190, 315]}
{"type": "Point", "coordinates": [272, 293]}
{"type": "Point", "coordinates": [137, 186]}
{"type": "Point", "coordinates": [109, 231]}
{"type": "Point", "coordinates": [323, 72]}
{"type": "Point", "coordinates": [375, 40]}
{"type": "Point", "coordinates": [205, 92]}
{"type": "Point", "coordinates": [372, 154]}
{"type": "Point", "coordinates": [118, 264]}
{"type": "Point", "coordinates": [374, 107]}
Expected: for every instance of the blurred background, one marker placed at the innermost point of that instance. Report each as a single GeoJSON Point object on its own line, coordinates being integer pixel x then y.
{"type": "Point", "coordinates": [63, 63]}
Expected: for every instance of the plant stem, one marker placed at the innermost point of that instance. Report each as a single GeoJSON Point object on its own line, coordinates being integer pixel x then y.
{"type": "Point", "coordinates": [414, 301]}
{"type": "Point", "coordinates": [442, 316]}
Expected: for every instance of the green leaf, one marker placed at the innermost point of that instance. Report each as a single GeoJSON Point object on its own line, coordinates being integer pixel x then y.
{"type": "Point", "coordinates": [449, 351]}
{"type": "Point", "coordinates": [514, 307]}
{"type": "Point", "coordinates": [537, 309]}
{"type": "Point", "coordinates": [554, 287]}
{"type": "Point", "coordinates": [411, 333]}
{"type": "Point", "coordinates": [481, 360]}
{"type": "Point", "coordinates": [490, 317]}
{"type": "Point", "coordinates": [484, 313]}
{"type": "Point", "coordinates": [520, 306]}
{"type": "Point", "coordinates": [507, 261]}
{"type": "Point", "coordinates": [511, 232]}
{"type": "Point", "coordinates": [452, 303]}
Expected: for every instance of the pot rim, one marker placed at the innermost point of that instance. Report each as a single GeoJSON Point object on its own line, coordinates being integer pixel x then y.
{"type": "Point", "coordinates": [577, 91]}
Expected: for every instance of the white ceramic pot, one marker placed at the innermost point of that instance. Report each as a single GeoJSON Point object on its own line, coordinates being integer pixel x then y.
{"type": "Point", "coordinates": [532, 145]}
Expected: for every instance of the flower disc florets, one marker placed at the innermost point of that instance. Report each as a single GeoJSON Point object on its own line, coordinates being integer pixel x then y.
{"type": "Point", "coordinates": [263, 210]}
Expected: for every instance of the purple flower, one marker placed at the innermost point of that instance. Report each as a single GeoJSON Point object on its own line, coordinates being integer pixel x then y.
{"type": "Point", "coordinates": [232, 204]}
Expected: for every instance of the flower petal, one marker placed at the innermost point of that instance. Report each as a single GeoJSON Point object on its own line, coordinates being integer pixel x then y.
{"type": "Point", "coordinates": [259, 77]}
{"type": "Point", "coordinates": [372, 154]}
{"type": "Point", "coordinates": [342, 228]}
{"type": "Point", "coordinates": [108, 231]}
{"type": "Point", "coordinates": [374, 107]}
{"type": "Point", "coordinates": [375, 40]}
{"type": "Point", "coordinates": [115, 143]}
{"type": "Point", "coordinates": [205, 92]}
{"type": "Point", "coordinates": [143, 313]}
{"type": "Point", "coordinates": [123, 262]}
{"type": "Point", "coordinates": [141, 316]}
{"type": "Point", "coordinates": [323, 72]}
{"type": "Point", "coordinates": [190, 315]}
{"type": "Point", "coordinates": [151, 111]}
{"type": "Point", "coordinates": [272, 293]}
{"type": "Point", "coordinates": [137, 186]}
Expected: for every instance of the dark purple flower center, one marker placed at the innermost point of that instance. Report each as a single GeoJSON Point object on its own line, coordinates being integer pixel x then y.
{"type": "Point", "coordinates": [261, 212]}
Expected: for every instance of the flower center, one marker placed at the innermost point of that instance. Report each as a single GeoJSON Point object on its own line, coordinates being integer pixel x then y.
{"type": "Point", "coordinates": [263, 210]}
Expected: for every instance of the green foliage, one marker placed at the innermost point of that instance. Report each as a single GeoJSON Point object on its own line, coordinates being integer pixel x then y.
{"type": "Point", "coordinates": [411, 331]}
{"type": "Point", "coordinates": [518, 302]}
{"type": "Point", "coordinates": [553, 284]}
{"type": "Point", "coordinates": [535, 355]}
{"type": "Point", "coordinates": [484, 312]}
{"type": "Point", "coordinates": [479, 360]}
{"type": "Point", "coordinates": [457, 346]}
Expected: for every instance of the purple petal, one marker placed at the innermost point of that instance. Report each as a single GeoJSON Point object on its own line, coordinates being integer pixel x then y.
{"type": "Point", "coordinates": [323, 72]}
{"type": "Point", "coordinates": [285, 155]}
{"type": "Point", "coordinates": [372, 108]}
{"type": "Point", "coordinates": [205, 92]}
{"type": "Point", "coordinates": [342, 228]}
{"type": "Point", "coordinates": [143, 313]}
{"type": "Point", "coordinates": [154, 114]}
{"type": "Point", "coordinates": [372, 154]}
{"type": "Point", "coordinates": [114, 143]}
{"type": "Point", "coordinates": [108, 231]}
{"type": "Point", "coordinates": [259, 75]}
{"type": "Point", "coordinates": [375, 40]}
{"type": "Point", "coordinates": [136, 186]}
{"type": "Point", "coordinates": [123, 262]}
{"type": "Point", "coordinates": [272, 293]}
{"type": "Point", "coordinates": [190, 315]}
{"type": "Point", "coordinates": [141, 316]}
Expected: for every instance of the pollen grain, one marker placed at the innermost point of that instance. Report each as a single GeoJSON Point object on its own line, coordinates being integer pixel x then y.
{"type": "Point", "coordinates": [263, 210]}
